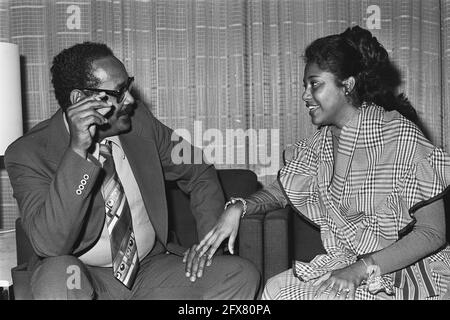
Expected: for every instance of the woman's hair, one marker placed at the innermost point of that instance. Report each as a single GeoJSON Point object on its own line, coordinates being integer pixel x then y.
{"type": "Point", "coordinates": [357, 53]}
{"type": "Point", "coordinates": [72, 69]}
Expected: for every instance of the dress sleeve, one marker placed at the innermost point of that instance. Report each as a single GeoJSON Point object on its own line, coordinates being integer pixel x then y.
{"type": "Point", "coordinates": [298, 176]}
{"type": "Point", "coordinates": [301, 159]}
{"type": "Point", "coordinates": [427, 180]}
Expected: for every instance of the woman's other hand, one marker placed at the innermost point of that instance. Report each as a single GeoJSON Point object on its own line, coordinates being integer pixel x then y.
{"type": "Point", "coordinates": [341, 284]}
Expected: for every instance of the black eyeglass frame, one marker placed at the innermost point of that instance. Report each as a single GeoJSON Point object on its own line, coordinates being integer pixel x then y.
{"type": "Point", "coordinates": [118, 94]}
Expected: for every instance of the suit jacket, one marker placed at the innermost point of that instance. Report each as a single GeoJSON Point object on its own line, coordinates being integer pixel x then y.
{"type": "Point", "coordinates": [45, 175]}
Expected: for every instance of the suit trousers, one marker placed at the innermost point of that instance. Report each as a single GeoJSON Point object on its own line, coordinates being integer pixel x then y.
{"type": "Point", "coordinates": [160, 276]}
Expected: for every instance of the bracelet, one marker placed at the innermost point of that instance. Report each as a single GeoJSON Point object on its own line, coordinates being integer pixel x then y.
{"type": "Point", "coordinates": [374, 280]}
{"type": "Point", "coordinates": [234, 201]}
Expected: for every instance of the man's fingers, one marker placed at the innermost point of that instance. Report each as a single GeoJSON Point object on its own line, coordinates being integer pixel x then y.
{"type": "Point", "coordinates": [201, 266]}
{"type": "Point", "coordinates": [91, 119]}
{"type": "Point", "coordinates": [189, 261]}
{"type": "Point", "coordinates": [91, 107]}
{"type": "Point", "coordinates": [103, 109]}
{"type": "Point", "coordinates": [185, 255]}
{"type": "Point", "coordinates": [82, 119]}
{"type": "Point", "coordinates": [194, 268]}
{"type": "Point", "coordinates": [94, 97]}
{"type": "Point", "coordinates": [89, 102]}
{"type": "Point", "coordinates": [194, 264]}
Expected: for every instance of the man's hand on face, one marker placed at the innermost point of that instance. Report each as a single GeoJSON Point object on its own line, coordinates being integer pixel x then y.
{"type": "Point", "coordinates": [83, 117]}
{"type": "Point", "coordinates": [195, 264]}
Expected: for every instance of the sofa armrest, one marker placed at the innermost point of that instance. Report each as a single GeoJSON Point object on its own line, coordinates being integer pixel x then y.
{"type": "Point", "coordinates": [277, 243]}
{"type": "Point", "coordinates": [306, 239]}
{"type": "Point", "coordinates": [21, 278]}
{"type": "Point", "coordinates": [24, 248]}
{"type": "Point", "coordinates": [250, 240]}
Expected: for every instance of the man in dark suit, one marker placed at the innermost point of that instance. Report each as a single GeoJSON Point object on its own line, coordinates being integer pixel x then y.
{"type": "Point", "coordinates": [60, 179]}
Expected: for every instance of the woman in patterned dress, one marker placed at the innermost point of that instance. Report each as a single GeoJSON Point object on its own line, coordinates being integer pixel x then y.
{"type": "Point", "coordinates": [367, 177]}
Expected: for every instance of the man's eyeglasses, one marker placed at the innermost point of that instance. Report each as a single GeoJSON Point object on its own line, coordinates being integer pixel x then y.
{"type": "Point", "coordinates": [118, 94]}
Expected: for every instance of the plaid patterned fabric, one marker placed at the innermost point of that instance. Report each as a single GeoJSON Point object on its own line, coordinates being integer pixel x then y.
{"type": "Point", "coordinates": [286, 286]}
{"type": "Point", "coordinates": [384, 169]}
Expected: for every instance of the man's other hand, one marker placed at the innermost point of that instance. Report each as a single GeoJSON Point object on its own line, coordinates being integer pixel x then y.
{"type": "Point", "coordinates": [194, 264]}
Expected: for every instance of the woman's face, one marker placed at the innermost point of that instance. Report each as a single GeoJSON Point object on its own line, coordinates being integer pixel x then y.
{"type": "Point", "coordinates": [326, 101]}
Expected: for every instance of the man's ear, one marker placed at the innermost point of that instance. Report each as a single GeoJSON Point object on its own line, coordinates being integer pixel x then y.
{"type": "Point", "coordinates": [76, 95]}
{"type": "Point", "coordinates": [349, 84]}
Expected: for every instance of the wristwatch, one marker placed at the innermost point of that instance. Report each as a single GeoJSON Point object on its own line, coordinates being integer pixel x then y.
{"type": "Point", "coordinates": [236, 200]}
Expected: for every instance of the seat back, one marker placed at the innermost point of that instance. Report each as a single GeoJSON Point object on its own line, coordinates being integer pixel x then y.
{"type": "Point", "coordinates": [182, 226]}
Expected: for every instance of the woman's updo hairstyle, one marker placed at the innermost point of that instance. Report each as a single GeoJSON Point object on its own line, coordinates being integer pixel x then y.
{"type": "Point", "coordinates": [357, 53]}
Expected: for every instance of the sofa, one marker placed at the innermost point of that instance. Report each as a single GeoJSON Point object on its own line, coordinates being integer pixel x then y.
{"type": "Point", "coordinates": [182, 230]}
{"type": "Point", "coordinates": [270, 240]}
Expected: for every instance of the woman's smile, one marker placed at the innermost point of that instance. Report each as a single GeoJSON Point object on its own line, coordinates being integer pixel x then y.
{"type": "Point", "coordinates": [312, 108]}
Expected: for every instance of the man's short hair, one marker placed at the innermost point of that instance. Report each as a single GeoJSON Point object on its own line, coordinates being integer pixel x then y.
{"type": "Point", "coordinates": [72, 69]}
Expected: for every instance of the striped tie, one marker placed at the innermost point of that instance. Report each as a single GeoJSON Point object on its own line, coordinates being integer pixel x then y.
{"type": "Point", "coordinates": [118, 219]}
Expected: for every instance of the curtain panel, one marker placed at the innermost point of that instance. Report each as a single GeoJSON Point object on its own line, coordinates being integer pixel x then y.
{"type": "Point", "coordinates": [228, 74]}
